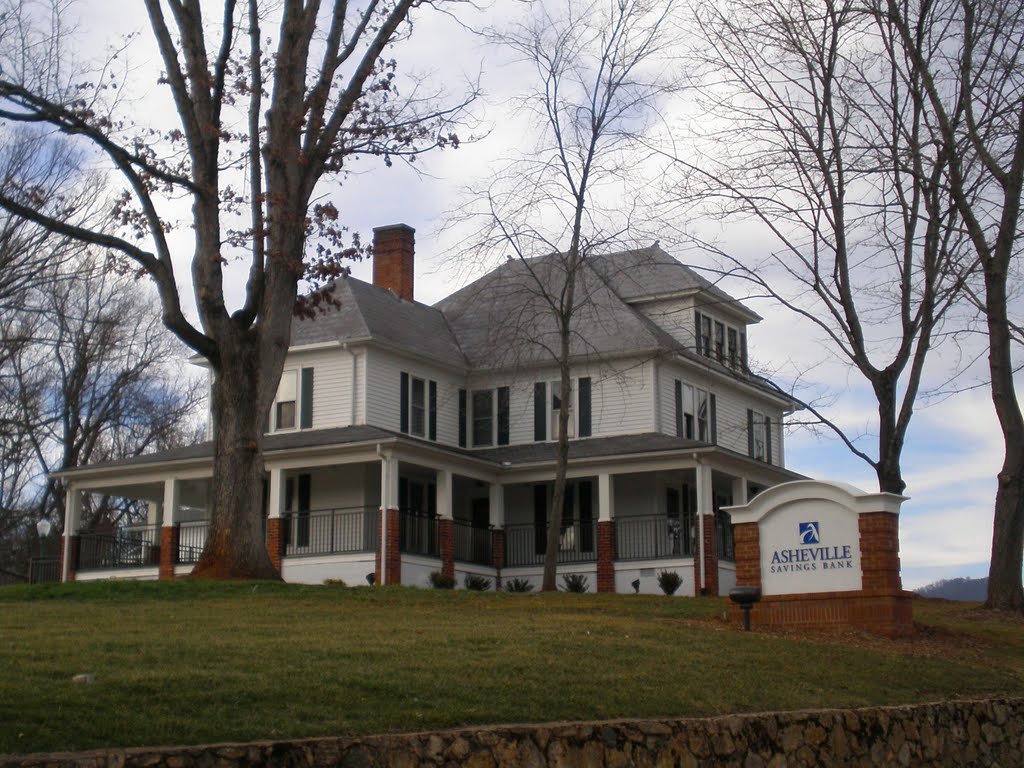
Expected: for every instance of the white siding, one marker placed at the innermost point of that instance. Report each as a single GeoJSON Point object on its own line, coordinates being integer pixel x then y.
{"type": "Point", "coordinates": [674, 316]}
{"type": "Point", "coordinates": [383, 388]}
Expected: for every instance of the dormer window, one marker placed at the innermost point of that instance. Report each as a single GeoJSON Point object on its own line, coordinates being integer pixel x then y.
{"type": "Point", "coordinates": [719, 342]}
{"type": "Point", "coordinates": [733, 348]}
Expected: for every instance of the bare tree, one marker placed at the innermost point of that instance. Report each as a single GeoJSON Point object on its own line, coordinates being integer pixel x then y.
{"type": "Point", "coordinates": [263, 115]}
{"type": "Point", "coordinates": [821, 137]}
{"type": "Point", "coordinates": [601, 70]}
{"type": "Point", "coordinates": [969, 57]}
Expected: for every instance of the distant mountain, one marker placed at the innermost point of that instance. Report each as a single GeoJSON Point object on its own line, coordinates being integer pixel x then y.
{"type": "Point", "coordinates": [957, 589]}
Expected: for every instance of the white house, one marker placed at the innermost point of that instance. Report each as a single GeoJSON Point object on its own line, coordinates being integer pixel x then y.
{"type": "Point", "coordinates": [436, 425]}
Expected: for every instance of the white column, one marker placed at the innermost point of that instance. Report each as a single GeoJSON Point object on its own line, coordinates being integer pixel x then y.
{"type": "Point", "coordinates": [705, 506]}
{"type": "Point", "coordinates": [496, 505]}
{"type": "Point", "coordinates": [739, 490]}
{"type": "Point", "coordinates": [444, 494]}
{"type": "Point", "coordinates": [605, 497]}
{"type": "Point", "coordinates": [72, 517]}
{"type": "Point", "coordinates": [172, 501]}
{"type": "Point", "coordinates": [388, 500]}
{"type": "Point", "coordinates": [154, 512]}
{"type": "Point", "coordinates": [276, 493]}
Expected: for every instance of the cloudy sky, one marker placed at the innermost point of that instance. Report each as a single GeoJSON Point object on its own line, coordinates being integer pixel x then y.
{"type": "Point", "coordinates": [954, 446]}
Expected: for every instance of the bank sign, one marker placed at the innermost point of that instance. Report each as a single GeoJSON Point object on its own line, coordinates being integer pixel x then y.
{"type": "Point", "coordinates": [810, 547]}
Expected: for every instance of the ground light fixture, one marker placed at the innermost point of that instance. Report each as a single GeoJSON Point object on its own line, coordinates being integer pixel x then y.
{"type": "Point", "coordinates": [745, 598]}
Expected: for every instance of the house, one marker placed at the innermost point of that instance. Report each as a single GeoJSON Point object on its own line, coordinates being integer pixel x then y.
{"type": "Point", "coordinates": [436, 426]}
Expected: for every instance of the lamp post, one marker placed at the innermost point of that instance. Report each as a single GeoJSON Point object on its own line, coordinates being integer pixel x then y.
{"type": "Point", "coordinates": [43, 528]}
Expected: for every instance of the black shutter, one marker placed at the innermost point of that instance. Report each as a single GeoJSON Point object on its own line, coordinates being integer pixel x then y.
{"type": "Point", "coordinates": [433, 411]}
{"type": "Point", "coordinates": [767, 439]}
{"type": "Point", "coordinates": [696, 331]}
{"type": "Point", "coordinates": [503, 415]}
{"type": "Point", "coordinates": [750, 432]}
{"type": "Point", "coordinates": [679, 409]}
{"type": "Point", "coordinates": [540, 519]}
{"type": "Point", "coordinates": [306, 403]}
{"type": "Point", "coordinates": [586, 517]}
{"type": "Point", "coordinates": [302, 531]}
{"type": "Point", "coordinates": [462, 418]}
{"type": "Point", "coordinates": [714, 419]}
{"type": "Point", "coordinates": [583, 388]}
{"type": "Point", "coordinates": [540, 411]}
{"type": "Point", "coordinates": [403, 394]}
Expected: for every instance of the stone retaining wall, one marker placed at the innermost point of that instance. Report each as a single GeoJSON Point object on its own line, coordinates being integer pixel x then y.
{"type": "Point", "coordinates": [944, 734]}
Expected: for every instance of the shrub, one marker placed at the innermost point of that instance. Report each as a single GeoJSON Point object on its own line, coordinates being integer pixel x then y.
{"type": "Point", "coordinates": [476, 583]}
{"type": "Point", "coordinates": [439, 580]}
{"type": "Point", "coordinates": [575, 582]}
{"type": "Point", "coordinates": [335, 583]}
{"type": "Point", "coordinates": [669, 581]}
{"type": "Point", "coordinates": [518, 585]}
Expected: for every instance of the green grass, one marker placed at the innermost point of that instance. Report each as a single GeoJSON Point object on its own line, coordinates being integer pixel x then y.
{"type": "Point", "coordinates": [193, 662]}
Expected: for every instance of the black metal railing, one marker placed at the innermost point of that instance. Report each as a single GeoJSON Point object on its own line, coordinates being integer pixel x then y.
{"type": "Point", "coordinates": [191, 540]}
{"type": "Point", "coordinates": [417, 533]}
{"type": "Point", "coordinates": [134, 547]}
{"type": "Point", "coordinates": [473, 544]}
{"type": "Point", "coordinates": [525, 544]}
{"type": "Point", "coordinates": [331, 531]}
{"type": "Point", "coordinates": [651, 537]}
{"type": "Point", "coordinates": [43, 570]}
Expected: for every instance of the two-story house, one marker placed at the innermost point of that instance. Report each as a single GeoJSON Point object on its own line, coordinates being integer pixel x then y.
{"type": "Point", "coordinates": [407, 439]}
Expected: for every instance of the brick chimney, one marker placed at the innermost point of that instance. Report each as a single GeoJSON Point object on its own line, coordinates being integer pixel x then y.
{"type": "Point", "coordinates": [393, 250]}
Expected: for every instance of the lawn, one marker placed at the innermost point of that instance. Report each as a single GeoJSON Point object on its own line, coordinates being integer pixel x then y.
{"type": "Point", "coordinates": [193, 662]}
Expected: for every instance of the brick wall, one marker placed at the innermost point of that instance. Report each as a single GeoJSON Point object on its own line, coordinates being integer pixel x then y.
{"type": "Point", "coordinates": [880, 552]}
{"type": "Point", "coordinates": [446, 545]}
{"type": "Point", "coordinates": [169, 551]}
{"type": "Point", "coordinates": [389, 535]}
{"type": "Point", "coordinates": [275, 541]}
{"type": "Point", "coordinates": [605, 556]}
{"type": "Point", "coordinates": [747, 542]}
{"type": "Point", "coordinates": [710, 580]}
{"type": "Point", "coordinates": [498, 554]}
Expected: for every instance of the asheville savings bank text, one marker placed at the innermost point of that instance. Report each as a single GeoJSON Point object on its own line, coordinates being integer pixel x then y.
{"type": "Point", "coordinates": [809, 558]}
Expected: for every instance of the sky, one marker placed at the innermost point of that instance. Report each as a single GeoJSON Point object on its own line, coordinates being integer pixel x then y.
{"type": "Point", "coordinates": [954, 445]}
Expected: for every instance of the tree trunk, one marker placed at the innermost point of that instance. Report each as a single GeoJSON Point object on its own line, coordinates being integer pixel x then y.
{"type": "Point", "coordinates": [549, 582]}
{"type": "Point", "coordinates": [890, 441]}
{"type": "Point", "coordinates": [1005, 590]}
{"type": "Point", "coordinates": [235, 547]}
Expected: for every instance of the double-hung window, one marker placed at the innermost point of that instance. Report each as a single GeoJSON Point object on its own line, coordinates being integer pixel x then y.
{"type": "Point", "coordinates": [759, 436]}
{"type": "Point", "coordinates": [548, 406]}
{"type": "Point", "coordinates": [284, 407]}
{"type": "Point", "coordinates": [418, 399]}
{"type": "Point", "coordinates": [483, 417]}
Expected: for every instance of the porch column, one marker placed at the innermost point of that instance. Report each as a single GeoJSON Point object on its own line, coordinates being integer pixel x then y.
{"type": "Point", "coordinates": [496, 512]}
{"type": "Point", "coordinates": [445, 522]}
{"type": "Point", "coordinates": [605, 533]}
{"type": "Point", "coordinates": [389, 558]}
{"type": "Point", "coordinates": [275, 518]}
{"type": "Point", "coordinates": [739, 491]}
{"type": "Point", "coordinates": [706, 581]}
{"type": "Point", "coordinates": [169, 529]}
{"type": "Point", "coordinates": [69, 542]}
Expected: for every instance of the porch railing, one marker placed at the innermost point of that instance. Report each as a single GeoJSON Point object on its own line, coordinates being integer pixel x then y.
{"type": "Point", "coordinates": [417, 533]}
{"type": "Point", "coordinates": [331, 531]}
{"type": "Point", "coordinates": [525, 544]}
{"type": "Point", "coordinates": [472, 544]}
{"type": "Point", "coordinates": [133, 547]}
{"type": "Point", "coordinates": [43, 570]}
{"type": "Point", "coordinates": [191, 540]}
{"type": "Point", "coordinates": [651, 537]}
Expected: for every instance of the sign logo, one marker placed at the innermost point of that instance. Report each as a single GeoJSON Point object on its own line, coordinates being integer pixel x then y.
{"type": "Point", "coordinates": [809, 533]}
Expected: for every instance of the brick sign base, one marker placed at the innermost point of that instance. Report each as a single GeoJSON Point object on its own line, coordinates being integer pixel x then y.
{"type": "Point", "coordinates": [879, 604]}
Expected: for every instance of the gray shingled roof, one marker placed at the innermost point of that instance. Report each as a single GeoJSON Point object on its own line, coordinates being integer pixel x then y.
{"type": "Point", "coordinates": [367, 311]}
{"type": "Point", "coordinates": [504, 319]}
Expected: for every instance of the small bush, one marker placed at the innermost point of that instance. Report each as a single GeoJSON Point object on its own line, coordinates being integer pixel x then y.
{"type": "Point", "coordinates": [669, 581]}
{"type": "Point", "coordinates": [518, 585]}
{"type": "Point", "coordinates": [335, 583]}
{"type": "Point", "coordinates": [476, 583]}
{"type": "Point", "coordinates": [439, 580]}
{"type": "Point", "coordinates": [575, 582]}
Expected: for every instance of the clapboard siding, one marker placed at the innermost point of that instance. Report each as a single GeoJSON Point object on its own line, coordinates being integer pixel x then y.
{"type": "Point", "coordinates": [674, 316]}
{"type": "Point", "coordinates": [383, 375]}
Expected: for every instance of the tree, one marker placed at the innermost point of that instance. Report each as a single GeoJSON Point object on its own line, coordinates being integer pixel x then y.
{"type": "Point", "coordinates": [822, 138]}
{"type": "Point", "coordinates": [600, 69]}
{"type": "Point", "coordinates": [258, 130]}
{"type": "Point", "coordinates": [86, 378]}
{"type": "Point", "coordinates": [969, 57]}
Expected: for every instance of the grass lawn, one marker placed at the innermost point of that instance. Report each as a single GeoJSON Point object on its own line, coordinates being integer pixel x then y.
{"type": "Point", "coordinates": [193, 662]}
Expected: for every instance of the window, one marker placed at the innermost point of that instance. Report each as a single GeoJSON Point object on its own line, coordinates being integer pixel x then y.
{"type": "Point", "coordinates": [547, 405]}
{"type": "Point", "coordinates": [418, 408]}
{"type": "Point", "coordinates": [284, 408]}
{"type": "Point", "coordinates": [483, 417]}
{"type": "Point", "coordinates": [733, 348]}
{"type": "Point", "coordinates": [555, 388]}
{"type": "Point", "coordinates": [702, 415]}
{"type": "Point", "coordinates": [719, 342]}
{"type": "Point", "coordinates": [684, 410]}
{"type": "Point", "coordinates": [705, 335]}
{"type": "Point", "coordinates": [759, 436]}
